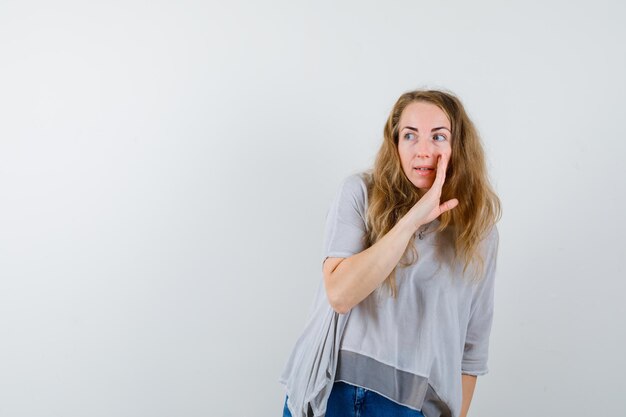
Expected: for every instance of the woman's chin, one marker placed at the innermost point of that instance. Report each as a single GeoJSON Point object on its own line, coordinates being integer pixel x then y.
{"type": "Point", "coordinates": [422, 186]}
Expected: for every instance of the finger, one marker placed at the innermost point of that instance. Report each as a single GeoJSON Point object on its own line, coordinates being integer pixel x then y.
{"type": "Point", "coordinates": [448, 205]}
{"type": "Point", "coordinates": [440, 176]}
{"type": "Point", "coordinates": [438, 171]}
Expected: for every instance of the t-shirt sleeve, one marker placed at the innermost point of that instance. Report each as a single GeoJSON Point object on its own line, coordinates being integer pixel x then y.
{"type": "Point", "coordinates": [345, 230]}
{"type": "Point", "coordinates": [476, 349]}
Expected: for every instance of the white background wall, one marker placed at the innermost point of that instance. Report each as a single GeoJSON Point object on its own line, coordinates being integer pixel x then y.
{"type": "Point", "coordinates": [166, 167]}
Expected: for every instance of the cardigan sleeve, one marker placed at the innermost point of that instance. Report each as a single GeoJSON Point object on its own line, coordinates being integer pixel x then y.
{"type": "Point", "coordinates": [476, 349]}
{"type": "Point", "coordinates": [345, 229]}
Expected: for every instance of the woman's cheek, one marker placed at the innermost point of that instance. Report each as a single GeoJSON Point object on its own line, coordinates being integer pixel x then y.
{"type": "Point", "coordinates": [447, 151]}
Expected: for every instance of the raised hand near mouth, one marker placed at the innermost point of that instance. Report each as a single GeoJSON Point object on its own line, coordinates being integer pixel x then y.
{"type": "Point", "coordinates": [429, 207]}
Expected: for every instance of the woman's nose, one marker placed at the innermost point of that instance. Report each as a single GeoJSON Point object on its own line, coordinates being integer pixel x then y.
{"type": "Point", "coordinates": [424, 149]}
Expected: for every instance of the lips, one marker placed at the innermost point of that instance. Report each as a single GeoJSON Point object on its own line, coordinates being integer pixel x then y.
{"type": "Point", "coordinates": [424, 170]}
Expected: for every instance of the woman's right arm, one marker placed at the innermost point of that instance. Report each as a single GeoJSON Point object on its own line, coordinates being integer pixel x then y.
{"type": "Point", "coordinates": [348, 281]}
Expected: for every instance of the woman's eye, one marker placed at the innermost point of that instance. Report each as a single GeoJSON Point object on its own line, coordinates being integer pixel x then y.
{"type": "Point", "coordinates": [439, 138]}
{"type": "Point", "coordinates": [409, 136]}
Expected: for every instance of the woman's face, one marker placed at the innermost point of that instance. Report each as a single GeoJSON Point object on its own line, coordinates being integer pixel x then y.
{"type": "Point", "coordinates": [424, 134]}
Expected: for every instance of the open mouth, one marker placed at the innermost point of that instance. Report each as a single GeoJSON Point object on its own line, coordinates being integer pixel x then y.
{"type": "Point", "coordinates": [424, 170]}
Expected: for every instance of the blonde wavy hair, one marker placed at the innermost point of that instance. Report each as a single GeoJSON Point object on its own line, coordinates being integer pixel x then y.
{"type": "Point", "coordinates": [392, 194]}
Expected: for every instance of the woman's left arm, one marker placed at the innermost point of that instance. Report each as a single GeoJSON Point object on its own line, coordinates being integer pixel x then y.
{"type": "Point", "coordinates": [469, 383]}
{"type": "Point", "coordinates": [476, 347]}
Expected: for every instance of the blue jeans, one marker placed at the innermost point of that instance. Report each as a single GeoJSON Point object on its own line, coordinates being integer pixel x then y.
{"type": "Point", "coordinates": [350, 401]}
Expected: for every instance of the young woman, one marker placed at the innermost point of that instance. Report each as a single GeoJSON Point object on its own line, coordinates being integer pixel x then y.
{"type": "Point", "coordinates": [402, 318]}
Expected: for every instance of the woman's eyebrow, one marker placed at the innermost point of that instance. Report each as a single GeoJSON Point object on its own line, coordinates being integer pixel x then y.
{"type": "Point", "coordinates": [432, 130]}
